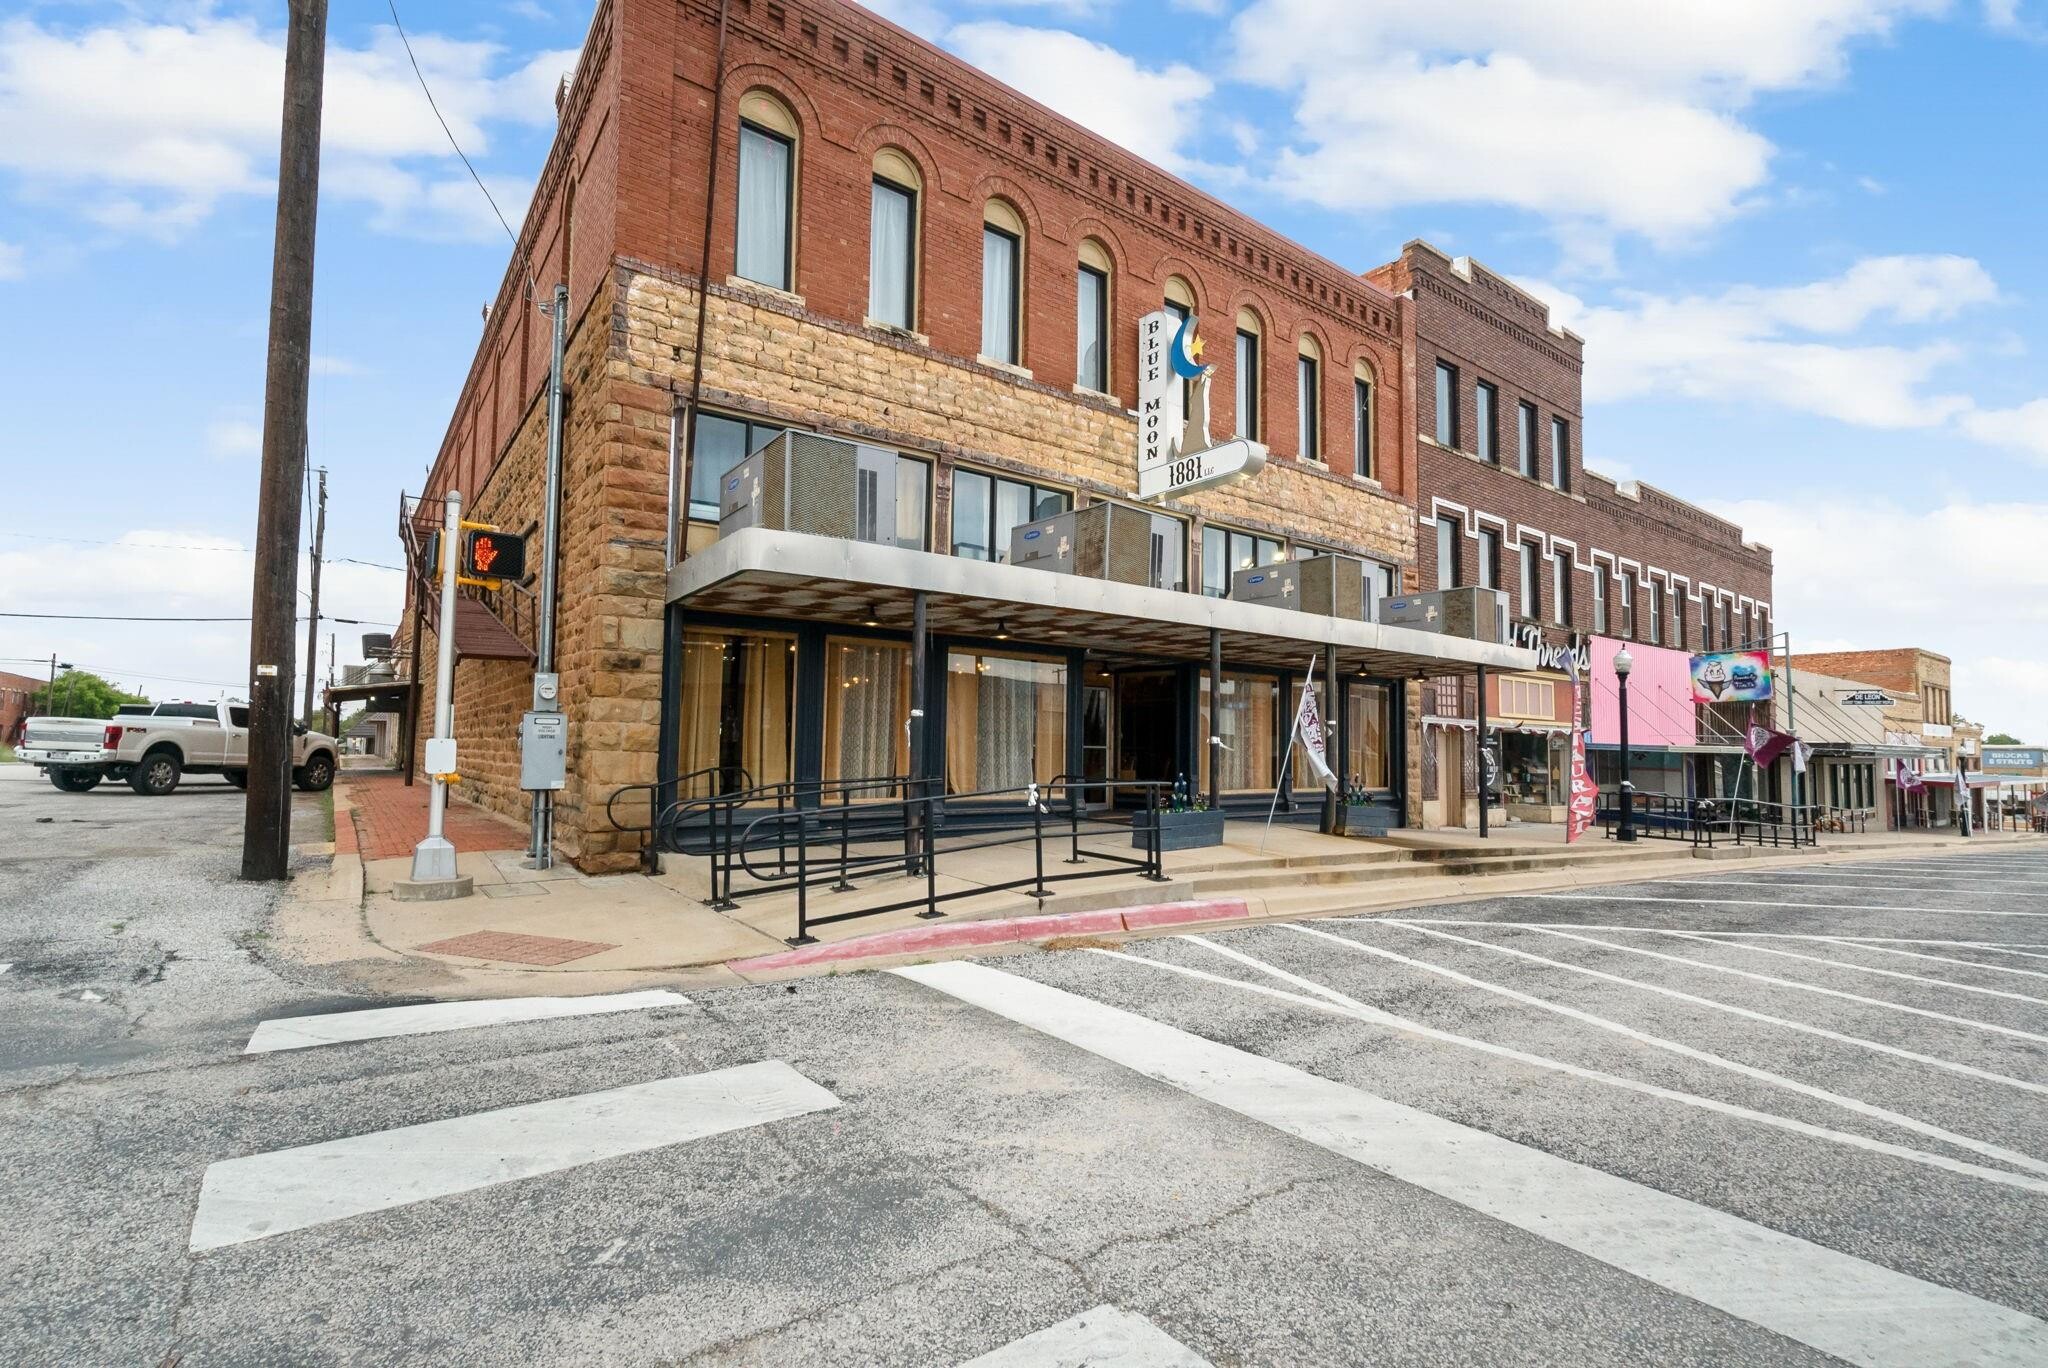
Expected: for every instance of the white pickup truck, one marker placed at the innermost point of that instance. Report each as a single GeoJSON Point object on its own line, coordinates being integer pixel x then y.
{"type": "Point", "coordinates": [153, 746]}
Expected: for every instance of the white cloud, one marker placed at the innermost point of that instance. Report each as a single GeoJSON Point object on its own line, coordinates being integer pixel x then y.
{"type": "Point", "coordinates": [1146, 110]}
{"type": "Point", "coordinates": [1601, 114]}
{"type": "Point", "coordinates": [1960, 578]}
{"type": "Point", "coordinates": [12, 261]}
{"type": "Point", "coordinates": [1753, 343]}
{"type": "Point", "coordinates": [151, 125]}
{"type": "Point", "coordinates": [2023, 429]}
{"type": "Point", "coordinates": [192, 573]}
{"type": "Point", "coordinates": [337, 366]}
{"type": "Point", "coordinates": [228, 438]}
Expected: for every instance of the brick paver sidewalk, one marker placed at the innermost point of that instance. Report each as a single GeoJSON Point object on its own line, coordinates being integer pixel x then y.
{"type": "Point", "coordinates": [390, 819]}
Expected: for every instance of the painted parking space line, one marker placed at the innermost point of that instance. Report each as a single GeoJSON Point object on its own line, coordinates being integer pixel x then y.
{"type": "Point", "coordinates": [1861, 968]}
{"type": "Point", "coordinates": [1332, 1002]}
{"type": "Point", "coordinates": [1855, 1105]}
{"type": "Point", "coordinates": [1804, 1028]}
{"type": "Point", "coordinates": [1877, 944]}
{"type": "Point", "coordinates": [377, 1023]}
{"type": "Point", "coordinates": [1591, 895]}
{"type": "Point", "coordinates": [262, 1195]}
{"type": "Point", "coordinates": [1105, 1337]}
{"type": "Point", "coordinates": [1780, 884]}
{"type": "Point", "coordinates": [1970, 1022]}
{"type": "Point", "coordinates": [1918, 883]}
{"type": "Point", "coordinates": [1833, 1302]}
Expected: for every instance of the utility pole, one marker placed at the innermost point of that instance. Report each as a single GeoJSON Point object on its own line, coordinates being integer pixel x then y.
{"type": "Point", "coordinates": [266, 823]}
{"type": "Point", "coordinates": [313, 626]}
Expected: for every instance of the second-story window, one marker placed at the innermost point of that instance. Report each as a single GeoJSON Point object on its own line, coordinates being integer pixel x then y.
{"type": "Point", "coordinates": [1656, 613]}
{"type": "Point", "coordinates": [892, 242]}
{"type": "Point", "coordinates": [1706, 622]}
{"type": "Point", "coordinates": [1486, 421]}
{"type": "Point", "coordinates": [767, 194]}
{"type": "Point", "coordinates": [1308, 395]}
{"type": "Point", "coordinates": [1489, 558]}
{"type": "Point", "coordinates": [1561, 587]}
{"type": "Point", "coordinates": [988, 508]}
{"type": "Point", "coordinates": [1091, 319]}
{"type": "Point", "coordinates": [1002, 284]}
{"type": "Point", "coordinates": [1561, 453]}
{"type": "Point", "coordinates": [1447, 568]}
{"type": "Point", "coordinates": [1599, 598]}
{"type": "Point", "coordinates": [1446, 404]}
{"type": "Point", "coordinates": [1525, 438]}
{"type": "Point", "coordinates": [1678, 617]}
{"type": "Point", "coordinates": [1532, 555]}
{"type": "Point", "coordinates": [1627, 626]}
{"type": "Point", "coordinates": [1361, 419]}
{"type": "Point", "coordinates": [1248, 375]}
{"type": "Point", "coordinates": [1225, 551]}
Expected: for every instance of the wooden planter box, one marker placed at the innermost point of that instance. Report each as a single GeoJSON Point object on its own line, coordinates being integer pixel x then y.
{"type": "Point", "coordinates": [1178, 830]}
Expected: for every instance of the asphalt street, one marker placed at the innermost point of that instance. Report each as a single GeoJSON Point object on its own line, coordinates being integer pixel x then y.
{"type": "Point", "coordinates": [1795, 1117]}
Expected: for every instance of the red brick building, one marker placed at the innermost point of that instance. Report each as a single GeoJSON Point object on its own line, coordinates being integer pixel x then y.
{"type": "Point", "coordinates": [16, 693]}
{"type": "Point", "coordinates": [1505, 499]}
{"type": "Point", "coordinates": [843, 231]}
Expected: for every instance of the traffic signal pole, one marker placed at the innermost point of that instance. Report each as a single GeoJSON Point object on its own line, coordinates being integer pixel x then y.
{"type": "Point", "coordinates": [273, 599]}
{"type": "Point", "coordinates": [433, 859]}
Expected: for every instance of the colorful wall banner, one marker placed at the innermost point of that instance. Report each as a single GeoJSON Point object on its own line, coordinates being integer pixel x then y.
{"type": "Point", "coordinates": [1731, 677]}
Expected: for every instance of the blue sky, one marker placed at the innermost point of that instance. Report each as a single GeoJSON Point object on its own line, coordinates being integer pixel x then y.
{"type": "Point", "coordinates": [1801, 240]}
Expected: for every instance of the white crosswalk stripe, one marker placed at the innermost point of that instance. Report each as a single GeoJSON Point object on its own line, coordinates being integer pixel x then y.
{"type": "Point", "coordinates": [1105, 1337]}
{"type": "Point", "coordinates": [262, 1195]}
{"type": "Point", "coordinates": [333, 1028]}
{"type": "Point", "coordinates": [1833, 1302]}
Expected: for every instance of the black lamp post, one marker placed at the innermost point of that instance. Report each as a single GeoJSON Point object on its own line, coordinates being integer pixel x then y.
{"type": "Point", "coordinates": [1623, 663]}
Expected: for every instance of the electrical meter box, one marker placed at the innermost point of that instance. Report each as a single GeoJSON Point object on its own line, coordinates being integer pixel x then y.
{"type": "Point", "coordinates": [543, 751]}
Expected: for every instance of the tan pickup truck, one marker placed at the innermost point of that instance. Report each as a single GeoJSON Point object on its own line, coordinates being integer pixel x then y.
{"type": "Point", "coordinates": [153, 747]}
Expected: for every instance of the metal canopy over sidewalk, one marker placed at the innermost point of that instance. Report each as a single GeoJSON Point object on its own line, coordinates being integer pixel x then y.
{"type": "Point", "coordinates": [757, 572]}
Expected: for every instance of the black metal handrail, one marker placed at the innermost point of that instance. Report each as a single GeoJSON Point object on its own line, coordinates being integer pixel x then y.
{"type": "Point", "coordinates": [1659, 817]}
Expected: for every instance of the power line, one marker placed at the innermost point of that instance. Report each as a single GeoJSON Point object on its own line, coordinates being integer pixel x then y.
{"type": "Point", "coordinates": [122, 617]}
{"type": "Point", "coordinates": [186, 546]}
{"type": "Point", "coordinates": [431, 104]}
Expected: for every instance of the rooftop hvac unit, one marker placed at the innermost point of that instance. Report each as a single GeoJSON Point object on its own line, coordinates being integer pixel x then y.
{"type": "Point", "coordinates": [1102, 541]}
{"type": "Point", "coordinates": [1474, 613]}
{"type": "Point", "coordinates": [801, 482]}
{"type": "Point", "coordinates": [377, 645]}
{"type": "Point", "coordinates": [1329, 584]}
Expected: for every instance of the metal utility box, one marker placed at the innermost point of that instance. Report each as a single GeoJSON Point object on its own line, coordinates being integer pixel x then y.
{"type": "Point", "coordinates": [1102, 541]}
{"type": "Point", "coordinates": [801, 482]}
{"type": "Point", "coordinates": [543, 750]}
{"type": "Point", "coordinates": [1332, 585]}
{"type": "Point", "coordinates": [1473, 613]}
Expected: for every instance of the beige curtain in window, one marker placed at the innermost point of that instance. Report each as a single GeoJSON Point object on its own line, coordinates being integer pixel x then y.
{"type": "Point", "coordinates": [1249, 723]}
{"type": "Point", "coordinates": [700, 703]}
{"type": "Point", "coordinates": [1365, 734]}
{"type": "Point", "coordinates": [1006, 722]}
{"type": "Point", "coordinates": [767, 669]}
{"type": "Point", "coordinates": [867, 702]}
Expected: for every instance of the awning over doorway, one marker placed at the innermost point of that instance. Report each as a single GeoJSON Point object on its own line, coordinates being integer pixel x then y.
{"type": "Point", "coordinates": [792, 575]}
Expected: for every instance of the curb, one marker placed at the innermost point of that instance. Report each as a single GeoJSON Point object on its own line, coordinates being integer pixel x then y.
{"type": "Point", "coordinates": [1003, 931]}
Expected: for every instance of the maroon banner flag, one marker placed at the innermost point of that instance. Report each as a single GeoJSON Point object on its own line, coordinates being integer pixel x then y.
{"type": "Point", "coordinates": [1582, 800]}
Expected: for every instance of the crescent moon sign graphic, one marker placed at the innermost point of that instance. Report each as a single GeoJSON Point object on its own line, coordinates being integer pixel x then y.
{"type": "Point", "coordinates": [1184, 363]}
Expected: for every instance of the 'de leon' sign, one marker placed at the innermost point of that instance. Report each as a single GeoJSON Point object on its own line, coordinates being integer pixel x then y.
{"type": "Point", "coordinates": [1175, 452]}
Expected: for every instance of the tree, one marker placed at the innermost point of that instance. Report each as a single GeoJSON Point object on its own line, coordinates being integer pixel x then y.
{"type": "Point", "coordinates": [81, 693]}
{"type": "Point", "coordinates": [2001, 739]}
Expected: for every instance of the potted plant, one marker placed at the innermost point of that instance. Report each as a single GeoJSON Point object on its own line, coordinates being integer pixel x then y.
{"type": "Point", "coordinates": [1186, 822]}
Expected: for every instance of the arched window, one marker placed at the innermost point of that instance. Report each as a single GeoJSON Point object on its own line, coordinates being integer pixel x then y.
{"type": "Point", "coordinates": [892, 240]}
{"type": "Point", "coordinates": [1362, 401]}
{"type": "Point", "coordinates": [1249, 333]}
{"type": "Point", "coordinates": [1002, 284]}
{"type": "Point", "coordinates": [1308, 399]}
{"type": "Point", "coordinates": [765, 250]}
{"type": "Point", "coordinates": [1091, 318]}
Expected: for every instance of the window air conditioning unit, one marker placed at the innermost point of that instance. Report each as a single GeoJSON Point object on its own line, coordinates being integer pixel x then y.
{"type": "Point", "coordinates": [1474, 613]}
{"type": "Point", "coordinates": [1332, 585]}
{"type": "Point", "coordinates": [801, 482]}
{"type": "Point", "coordinates": [1102, 541]}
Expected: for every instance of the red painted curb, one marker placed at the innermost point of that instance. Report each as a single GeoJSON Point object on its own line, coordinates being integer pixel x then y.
{"type": "Point", "coordinates": [1008, 930]}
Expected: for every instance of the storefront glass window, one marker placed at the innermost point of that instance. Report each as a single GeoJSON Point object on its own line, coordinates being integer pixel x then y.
{"type": "Point", "coordinates": [1006, 721]}
{"type": "Point", "coordinates": [738, 705]}
{"type": "Point", "coordinates": [1249, 723]}
{"type": "Point", "coordinates": [867, 703]}
{"type": "Point", "coordinates": [1368, 722]}
{"type": "Point", "coordinates": [1533, 766]}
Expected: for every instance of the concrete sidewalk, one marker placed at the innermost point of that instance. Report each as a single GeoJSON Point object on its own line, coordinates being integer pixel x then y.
{"type": "Point", "coordinates": [558, 930]}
